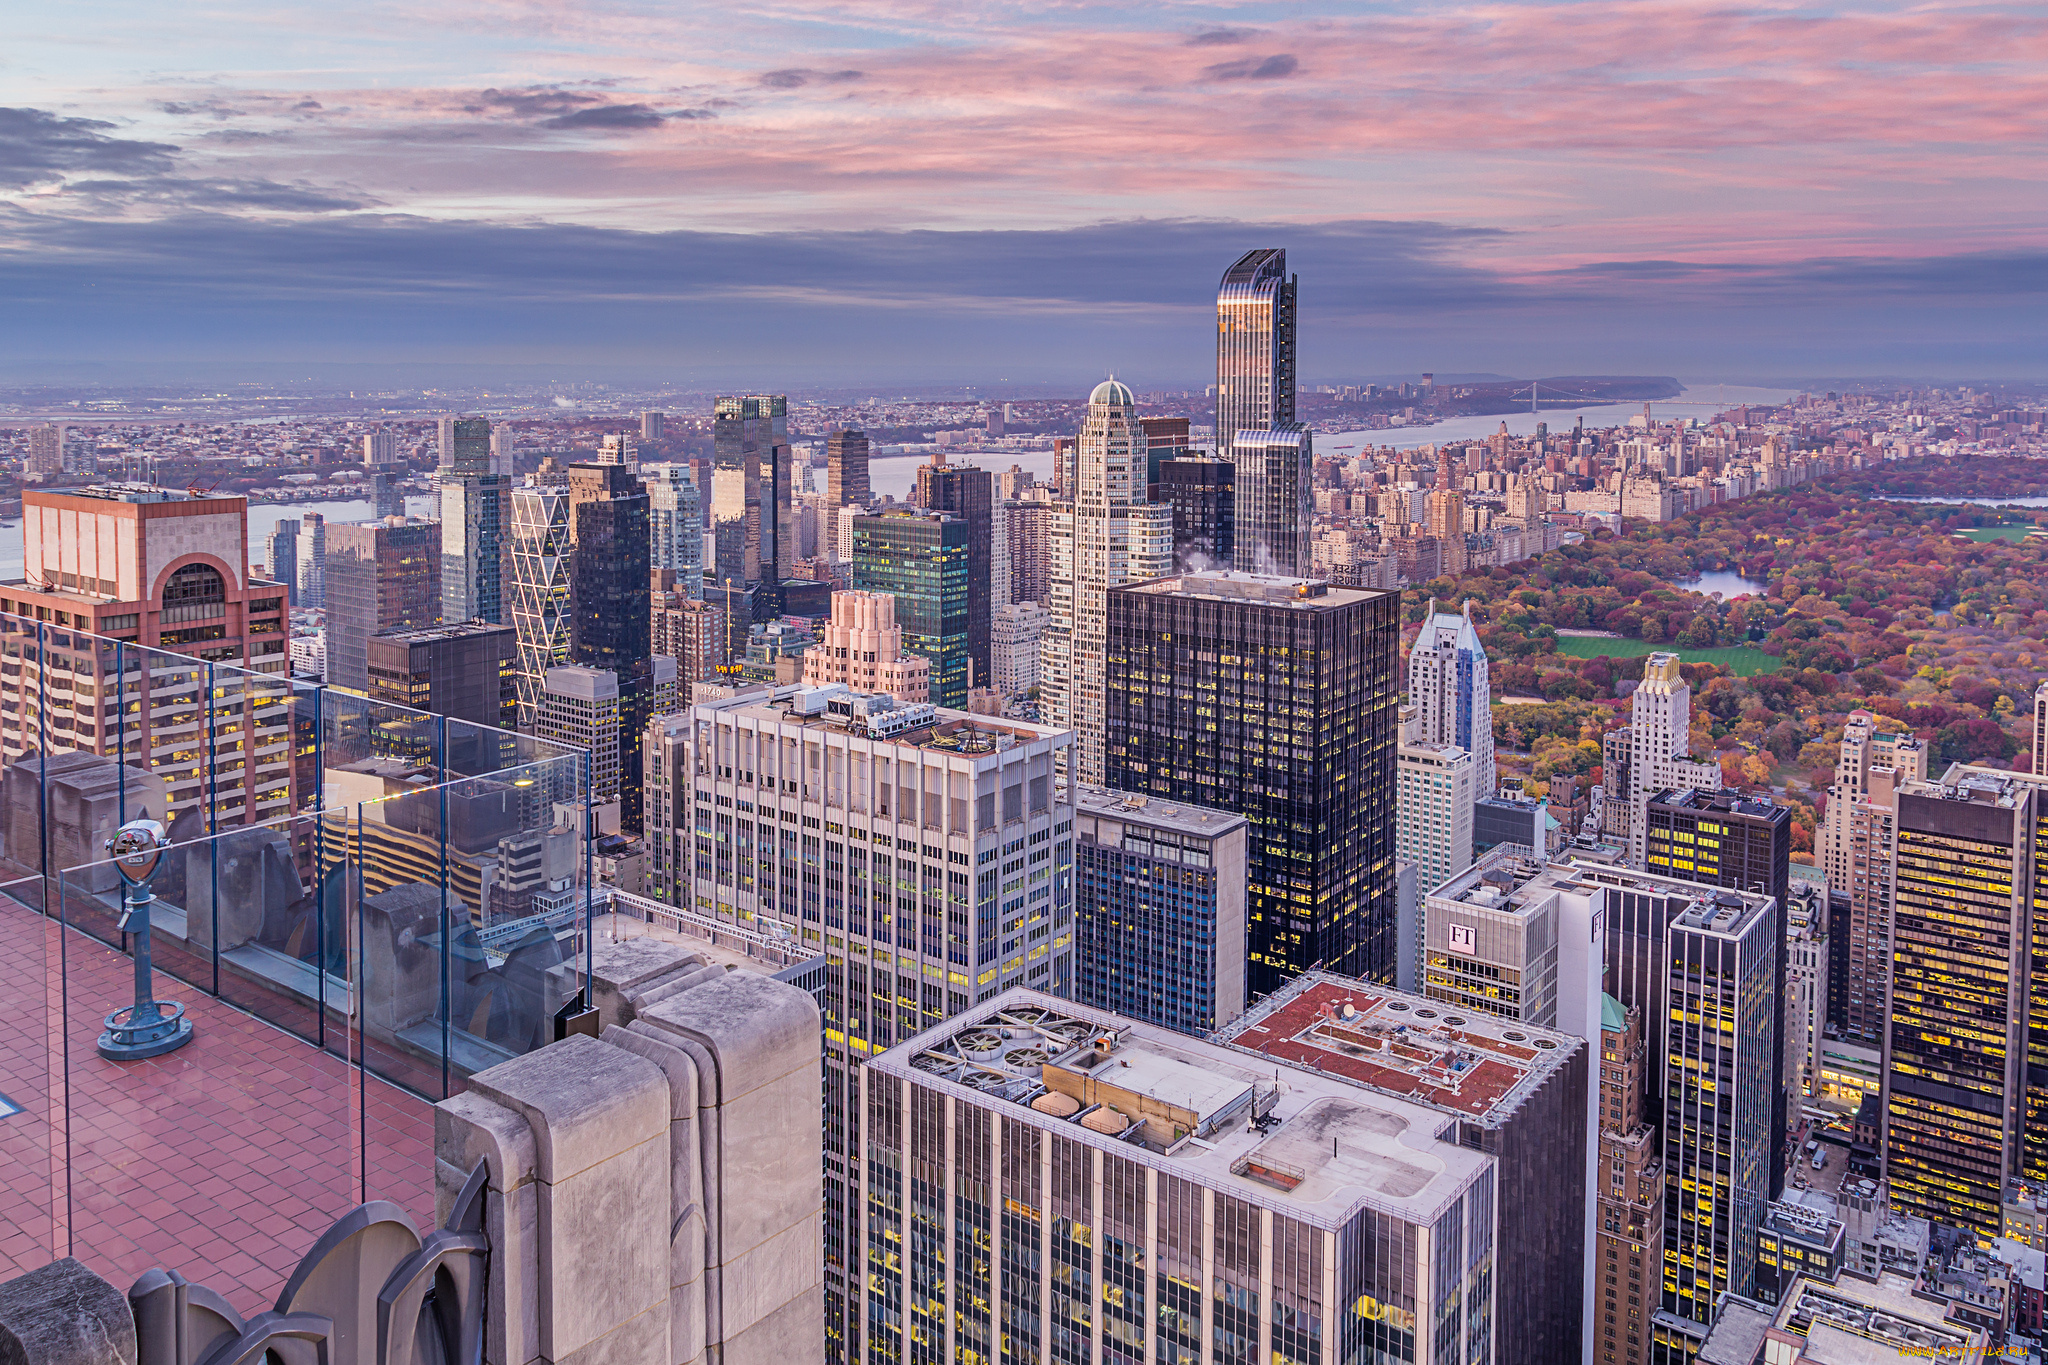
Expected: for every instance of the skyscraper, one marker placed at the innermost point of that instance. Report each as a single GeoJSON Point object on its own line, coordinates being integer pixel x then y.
{"type": "Point", "coordinates": [45, 451]}
{"type": "Point", "coordinates": [653, 425]}
{"type": "Point", "coordinates": [1858, 845]}
{"type": "Point", "coordinates": [921, 558]}
{"type": "Point", "coordinates": [1720, 1045]}
{"type": "Point", "coordinates": [689, 630]}
{"type": "Point", "coordinates": [1725, 838]}
{"type": "Point", "coordinates": [1274, 500]}
{"type": "Point", "coordinates": [581, 707]}
{"type": "Point", "coordinates": [169, 571]}
{"type": "Point", "coordinates": [1439, 791]}
{"type": "Point", "coordinates": [609, 588]}
{"type": "Point", "coordinates": [1255, 348]}
{"type": "Point", "coordinates": [543, 554]}
{"type": "Point", "coordinates": [922, 886]}
{"type": "Point", "coordinates": [1955, 1048]}
{"type": "Point", "coordinates": [380, 576]}
{"type": "Point", "coordinates": [846, 469]}
{"type": "Point", "coordinates": [1028, 528]}
{"type": "Point", "coordinates": [675, 520]}
{"type": "Point", "coordinates": [1451, 692]}
{"type": "Point", "coordinates": [1255, 383]}
{"type": "Point", "coordinates": [1203, 496]}
{"type": "Point", "coordinates": [751, 495]}
{"type": "Point", "coordinates": [387, 499]}
{"type": "Point", "coordinates": [476, 524]}
{"type": "Point", "coordinates": [1660, 742]}
{"type": "Point", "coordinates": [1159, 927]}
{"type": "Point", "coordinates": [1628, 1263]}
{"type": "Point", "coordinates": [1107, 536]}
{"type": "Point", "coordinates": [466, 445]}
{"type": "Point", "coordinates": [380, 447]}
{"type": "Point", "coordinates": [1538, 1140]}
{"type": "Point", "coordinates": [1447, 518]}
{"type": "Point", "coordinates": [1166, 438]}
{"type": "Point", "coordinates": [969, 494]}
{"type": "Point", "coordinates": [284, 556]}
{"type": "Point", "coordinates": [1053, 1184]}
{"type": "Point", "coordinates": [463, 671]}
{"type": "Point", "coordinates": [1273, 698]}
{"type": "Point", "coordinates": [311, 558]}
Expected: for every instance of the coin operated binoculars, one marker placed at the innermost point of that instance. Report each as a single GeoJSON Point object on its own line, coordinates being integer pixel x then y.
{"type": "Point", "coordinates": [147, 1028]}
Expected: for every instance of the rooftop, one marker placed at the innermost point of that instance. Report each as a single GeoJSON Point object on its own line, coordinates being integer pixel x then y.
{"type": "Point", "coordinates": [1291, 1139]}
{"type": "Point", "coordinates": [1497, 881]}
{"type": "Point", "coordinates": [1272, 589]}
{"type": "Point", "coordinates": [835, 707]}
{"type": "Point", "coordinates": [1886, 1314]}
{"type": "Point", "coordinates": [135, 493]}
{"type": "Point", "coordinates": [1726, 801]}
{"type": "Point", "coordinates": [1476, 1066]}
{"type": "Point", "coordinates": [1155, 814]}
{"type": "Point", "coordinates": [429, 634]}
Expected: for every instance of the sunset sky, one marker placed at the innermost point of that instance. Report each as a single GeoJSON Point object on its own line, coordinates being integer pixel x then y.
{"type": "Point", "coordinates": [814, 193]}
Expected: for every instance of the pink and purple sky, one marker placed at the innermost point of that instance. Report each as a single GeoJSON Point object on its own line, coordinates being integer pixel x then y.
{"type": "Point", "coordinates": [801, 192]}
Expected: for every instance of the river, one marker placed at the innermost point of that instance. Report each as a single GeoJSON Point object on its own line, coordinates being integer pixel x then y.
{"type": "Point", "coordinates": [897, 474]}
{"type": "Point", "coordinates": [1703, 402]}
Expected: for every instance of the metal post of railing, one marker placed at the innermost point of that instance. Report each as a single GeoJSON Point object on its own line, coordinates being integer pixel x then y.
{"type": "Point", "coordinates": [589, 886]}
{"type": "Point", "coordinates": [43, 773]}
{"type": "Point", "coordinates": [120, 726]}
{"type": "Point", "coordinates": [356, 1009]}
{"type": "Point", "coordinates": [447, 927]}
{"type": "Point", "coordinates": [213, 827]}
{"type": "Point", "coordinates": [319, 853]}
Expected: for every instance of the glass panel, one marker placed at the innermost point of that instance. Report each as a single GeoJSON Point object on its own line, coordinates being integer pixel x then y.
{"type": "Point", "coordinates": [28, 1174]}
{"type": "Point", "coordinates": [319, 842]}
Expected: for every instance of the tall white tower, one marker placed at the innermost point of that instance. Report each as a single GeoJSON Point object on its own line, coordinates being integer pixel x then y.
{"type": "Point", "coordinates": [1449, 687]}
{"type": "Point", "coordinates": [1660, 745]}
{"type": "Point", "coordinates": [1109, 535]}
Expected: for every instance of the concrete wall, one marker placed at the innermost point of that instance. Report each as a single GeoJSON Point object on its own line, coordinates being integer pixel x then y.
{"type": "Point", "coordinates": [705, 1083]}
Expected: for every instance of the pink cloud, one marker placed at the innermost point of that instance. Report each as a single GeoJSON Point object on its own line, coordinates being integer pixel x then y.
{"type": "Point", "coordinates": [1729, 131]}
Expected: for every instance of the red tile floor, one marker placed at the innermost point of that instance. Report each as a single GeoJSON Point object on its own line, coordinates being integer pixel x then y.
{"type": "Point", "coordinates": [223, 1160]}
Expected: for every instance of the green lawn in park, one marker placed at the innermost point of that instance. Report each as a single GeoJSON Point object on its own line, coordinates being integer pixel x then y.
{"type": "Point", "coordinates": [1984, 533]}
{"type": "Point", "coordinates": [1743, 661]}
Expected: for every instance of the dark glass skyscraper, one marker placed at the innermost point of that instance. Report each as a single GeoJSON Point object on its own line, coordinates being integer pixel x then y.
{"type": "Point", "coordinates": [476, 525]}
{"type": "Point", "coordinates": [1955, 1044]}
{"type": "Point", "coordinates": [466, 445]}
{"type": "Point", "coordinates": [969, 494]}
{"type": "Point", "coordinates": [1274, 698]}
{"type": "Point", "coordinates": [1255, 381]}
{"type": "Point", "coordinates": [1203, 496]}
{"type": "Point", "coordinates": [921, 557]}
{"type": "Point", "coordinates": [609, 598]}
{"type": "Point", "coordinates": [846, 468]}
{"type": "Point", "coordinates": [1723, 838]}
{"type": "Point", "coordinates": [751, 492]}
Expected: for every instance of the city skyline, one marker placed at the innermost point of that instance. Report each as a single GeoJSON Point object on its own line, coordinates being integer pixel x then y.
{"type": "Point", "coordinates": [770, 671]}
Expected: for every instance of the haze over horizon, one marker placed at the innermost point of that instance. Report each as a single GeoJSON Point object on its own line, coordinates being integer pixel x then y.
{"type": "Point", "coordinates": [951, 194]}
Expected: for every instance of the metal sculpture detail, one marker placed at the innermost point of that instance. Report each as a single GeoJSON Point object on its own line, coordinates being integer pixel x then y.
{"type": "Point", "coordinates": [370, 1292]}
{"type": "Point", "coordinates": [149, 1027]}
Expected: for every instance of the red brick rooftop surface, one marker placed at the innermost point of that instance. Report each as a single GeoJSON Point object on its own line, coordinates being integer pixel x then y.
{"type": "Point", "coordinates": [1298, 1032]}
{"type": "Point", "coordinates": [224, 1160]}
